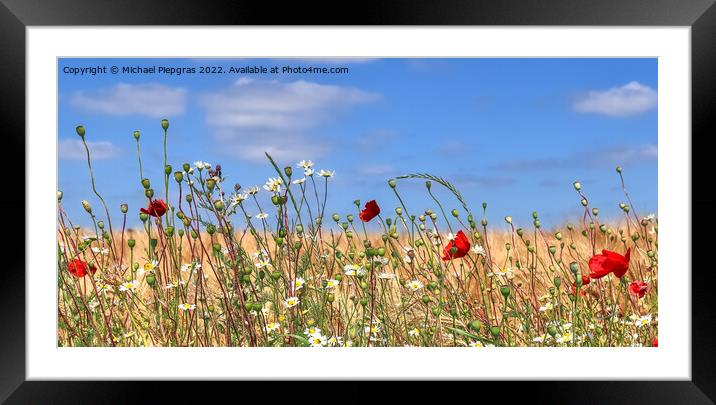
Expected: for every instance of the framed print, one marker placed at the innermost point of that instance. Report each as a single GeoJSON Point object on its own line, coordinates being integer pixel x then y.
{"type": "Point", "coordinates": [447, 197]}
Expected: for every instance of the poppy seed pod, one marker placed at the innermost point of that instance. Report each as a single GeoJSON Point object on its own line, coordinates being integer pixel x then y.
{"type": "Point", "coordinates": [574, 267]}
{"type": "Point", "coordinates": [454, 213]}
{"type": "Point", "coordinates": [131, 243]}
{"type": "Point", "coordinates": [210, 184]}
{"type": "Point", "coordinates": [288, 170]}
{"type": "Point", "coordinates": [100, 224]}
{"type": "Point", "coordinates": [124, 208]}
{"type": "Point", "coordinates": [143, 217]}
{"type": "Point", "coordinates": [619, 169]}
{"type": "Point", "coordinates": [189, 198]}
{"type": "Point", "coordinates": [505, 291]}
{"type": "Point", "coordinates": [178, 176]}
{"type": "Point", "coordinates": [577, 185]}
{"type": "Point", "coordinates": [169, 231]}
{"type": "Point", "coordinates": [483, 222]}
{"type": "Point", "coordinates": [136, 135]}
{"type": "Point", "coordinates": [86, 205]}
{"type": "Point", "coordinates": [165, 124]}
{"type": "Point", "coordinates": [210, 229]}
{"type": "Point", "coordinates": [584, 202]}
{"type": "Point", "coordinates": [80, 131]}
{"type": "Point", "coordinates": [186, 167]}
{"type": "Point", "coordinates": [149, 193]}
{"type": "Point", "coordinates": [508, 219]}
{"type": "Point", "coordinates": [534, 214]}
{"type": "Point", "coordinates": [336, 217]}
{"type": "Point", "coordinates": [59, 196]}
{"type": "Point", "coordinates": [168, 169]}
{"type": "Point", "coordinates": [145, 183]}
{"type": "Point", "coordinates": [219, 205]}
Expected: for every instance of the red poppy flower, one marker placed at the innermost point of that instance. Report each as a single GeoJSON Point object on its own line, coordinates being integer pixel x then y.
{"type": "Point", "coordinates": [638, 288]}
{"type": "Point", "coordinates": [585, 280]}
{"type": "Point", "coordinates": [80, 268]}
{"type": "Point", "coordinates": [370, 211]}
{"type": "Point", "coordinates": [156, 208]}
{"type": "Point", "coordinates": [655, 342]}
{"type": "Point", "coordinates": [609, 262]}
{"type": "Point", "coordinates": [460, 244]}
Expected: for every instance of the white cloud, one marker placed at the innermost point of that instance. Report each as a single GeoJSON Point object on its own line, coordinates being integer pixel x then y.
{"type": "Point", "coordinates": [152, 100]}
{"type": "Point", "coordinates": [253, 116]}
{"type": "Point", "coordinates": [73, 149]}
{"type": "Point", "coordinates": [631, 99]}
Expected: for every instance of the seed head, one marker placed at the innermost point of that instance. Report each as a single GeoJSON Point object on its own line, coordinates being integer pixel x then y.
{"type": "Point", "coordinates": [136, 135]}
{"type": "Point", "coordinates": [86, 205]}
{"type": "Point", "coordinates": [80, 131]}
{"type": "Point", "coordinates": [165, 124]}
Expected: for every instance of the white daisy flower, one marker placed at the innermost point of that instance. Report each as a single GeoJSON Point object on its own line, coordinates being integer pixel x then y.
{"type": "Point", "coordinates": [317, 340]}
{"type": "Point", "coordinates": [186, 306]}
{"type": "Point", "coordinates": [386, 276]}
{"type": "Point", "coordinates": [129, 286]}
{"type": "Point", "coordinates": [273, 184]}
{"type": "Point", "coordinates": [351, 269]}
{"type": "Point", "coordinates": [330, 283]}
{"type": "Point", "coordinates": [414, 285]}
{"type": "Point", "coordinates": [299, 181]}
{"type": "Point", "coordinates": [298, 283]}
{"type": "Point", "coordinates": [335, 341]}
{"type": "Point", "coordinates": [305, 164]}
{"type": "Point", "coordinates": [273, 327]}
{"type": "Point", "coordinates": [252, 190]}
{"type": "Point", "coordinates": [312, 331]}
{"type": "Point", "coordinates": [478, 250]}
{"type": "Point", "coordinates": [262, 215]}
{"type": "Point", "coordinates": [291, 302]}
{"type": "Point", "coordinates": [326, 173]}
{"type": "Point", "coordinates": [100, 251]}
{"type": "Point", "coordinates": [643, 321]}
{"type": "Point", "coordinates": [414, 332]}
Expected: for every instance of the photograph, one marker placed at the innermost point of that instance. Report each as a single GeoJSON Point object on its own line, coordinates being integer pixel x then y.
{"type": "Point", "coordinates": [357, 202]}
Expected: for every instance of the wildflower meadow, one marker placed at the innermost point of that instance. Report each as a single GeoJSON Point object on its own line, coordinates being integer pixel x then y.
{"type": "Point", "coordinates": [218, 264]}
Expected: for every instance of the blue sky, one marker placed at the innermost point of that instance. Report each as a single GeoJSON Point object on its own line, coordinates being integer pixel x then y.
{"type": "Point", "coordinates": [512, 132]}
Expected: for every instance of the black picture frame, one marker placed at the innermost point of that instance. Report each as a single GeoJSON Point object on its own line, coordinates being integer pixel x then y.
{"type": "Point", "coordinates": [16, 15]}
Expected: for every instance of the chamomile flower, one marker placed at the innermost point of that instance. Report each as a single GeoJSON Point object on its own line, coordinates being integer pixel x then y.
{"type": "Point", "coordinates": [100, 251]}
{"type": "Point", "coordinates": [330, 283]}
{"type": "Point", "coordinates": [186, 306]}
{"type": "Point", "coordinates": [351, 269]}
{"type": "Point", "coordinates": [386, 276]}
{"type": "Point", "coordinates": [299, 181]}
{"type": "Point", "coordinates": [334, 341]}
{"type": "Point", "coordinates": [310, 331]}
{"type": "Point", "coordinates": [414, 332]}
{"type": "Point", "coordinates": [478, 250]}
{"type": "Point", "coordinates": [273, 184]}
{"type": "Point", "coordinates": [308, 172]}
{"type": "Point", "coordinates": [239, 198]}
{"type": "Point", "coordinates": [129, 286]}
{"type": "Point", "coordinates": [291, 302]}
{"type": "Point", "coordinates": [262, 215]}
{"type": "Point", "coordinates": [649, 217]}
{"type": "Point", "coordinates": [201, 165]}
{"type": "Point", "coordinates": [252, 190]}
{"type": "Point", "coordinates": [643, 321]}
{"type": "Point", "coordinates": [149, 266]}
{"type": "Point", "coordinates": [326, 173]}
{"type": "Point", "coordinates": [539, 339]}
{"type": "Point", "coordinates": [317, 340]}
{"type": "Point", "coordinates": [298, 283]}
{"type": "Point", "coordinates": [414, 285]}
{"type": "Point", "coordinates": [273, 327]}
{"type": "Point", "coordinates": [476, 344]}
{"type": "Point", "coordinates": [546, 307]}
{"type": "Point", "coordinates": [305, 164]}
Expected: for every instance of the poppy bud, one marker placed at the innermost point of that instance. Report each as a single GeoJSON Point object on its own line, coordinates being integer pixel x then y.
{"type": "Point", "coordinates": [552, 330]}
{"type": "Point", "coordinates": [151, 279]}
{"type": "Point", "coordinates": [603, 228]}
{"type": "Point", "coordinates": [531, 249]}
{"type": "Point", "coordinates": [558, 235]}
{"type": "Point", "coordinates": [557, 282]}
{"type": "Point", "coordinates": [336, 217]}
{"type": "Point", "coordinates": [193, 234]}
{"type": "Point", "coordinates": [131, 243]}
{"type": "Point", "coordinates": [143, 217]}
{"type": "Point", "coordinates": [168, 169]}
{"type": "Point", "coordinates": [189, 198]}
{"type": "Point", "coordinates": [186, 167]}
{"type": "Point", "coordinates": [165, 124]}
{"type": "Point", "coordinates": [178, 176]}
{"type": "Point", "coordinates": [149, 193]}
{"type": "Point", "coordinates": [577, 185]}
{"type": "Point", "coordinates": [436, 311]}
{"type": "Point", "coordinates": [80, 131]}
{"type": "Point", "coordinates": [574, 267]}
{"type": "Point", "coordinates": [86, 205]}
{"type": "Point", "coordinates": [426, 299]}
{"type": "Point", "coordinates": [124, 208]}
{"type": "Point", "coordinates": [495, 331]}
{"type": "Point", "coordinates": [508, 219]}
{"type": "Point", "coordinates": [169, 231]}
{"type": "Point", "coordinates": [364, 301]}
{"type": "Point", "coordinates": [59, 196]}
{"type": "Point", "coordinates": [299, 228]}
{"type": "Point", "coordinates": [219, 205]}
{"type": "Point", "coordinates": [136, 135]}
{"type": "Point", "coordinates": [537, 224]}
{"type": "Point", "coordinates": [552, 249]}
{"type": "Point", "coordinates": [619, 169]}
{"type": "Point", "coordinates": [100, 224]}
{"type": "Point", "coordinates": [145, 183]}
{"type": "Point", "coordinates": [330, 297]}
{"type": "Point", "coordinates": [399, 211]}
{"type": "Point", "coordinates": [484, 222]}
{"type": "Point", "coordinates": [534, 214]}
{"type": "Point", "coordinates": [288, 170]}
{"type": "Point", "coordinates": [210, 229]}
{"type": "Point", "coordinates": [595, 211]}
{"type": "Point", "coordinates": [454, 213]}
{"type": "Point", "coordinates": [584, 202]}
{"type": "Point", "coordinates": [505, 291]}
{"type": "Point", "coordinates": [391, 183]}
{"type": "Point", "coordinates": [520, 232]}
{"type": "Point", "coordinates": [210, 184]}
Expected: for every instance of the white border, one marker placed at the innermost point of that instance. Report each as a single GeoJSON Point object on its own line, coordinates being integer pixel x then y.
{"type": "Point", "coordinates": [670, 361]}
